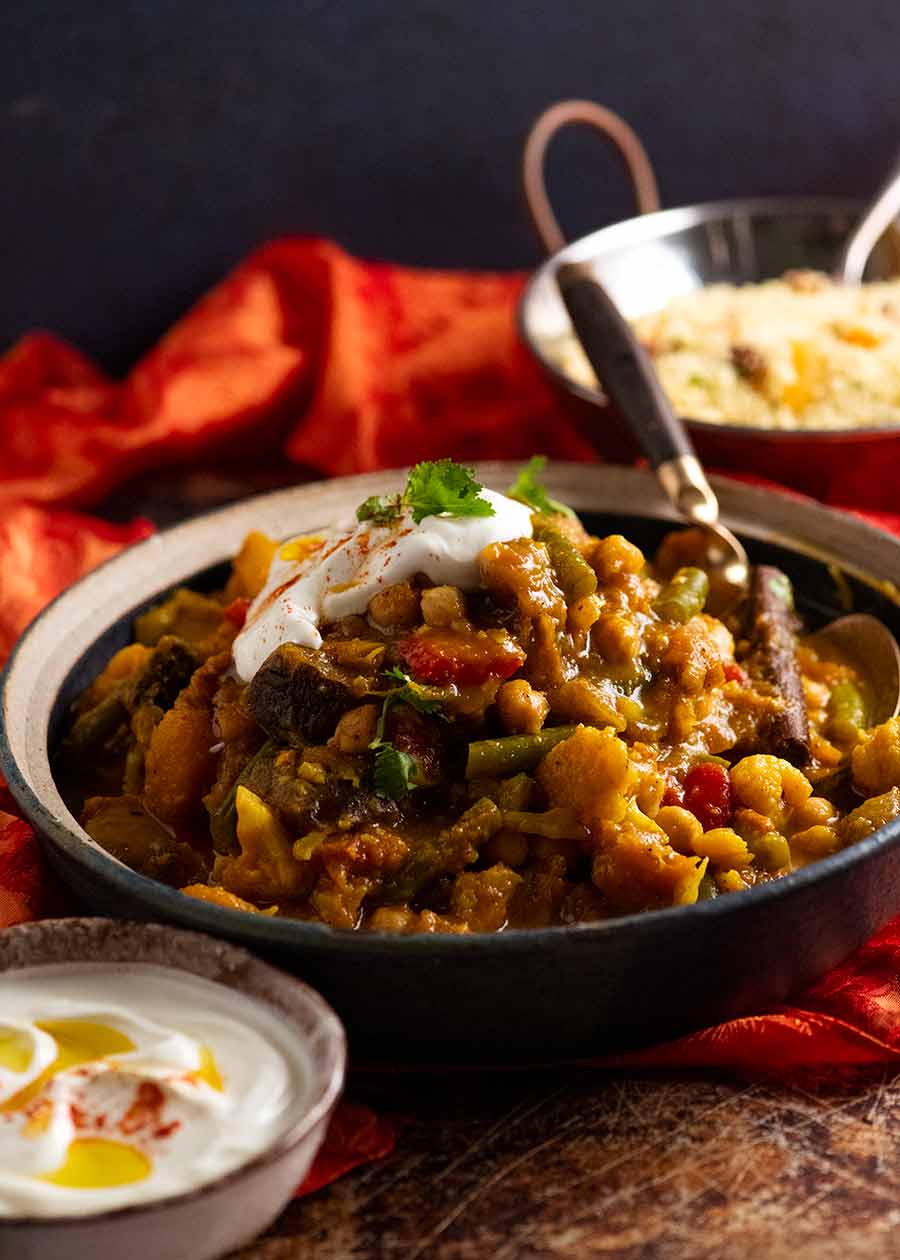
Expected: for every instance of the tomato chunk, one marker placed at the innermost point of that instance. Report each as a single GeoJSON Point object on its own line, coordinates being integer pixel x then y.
{"type": "Point", "coordinates": [735, 673]}
{"type": "Point", "coordinates": [673, 795]}
{"type": "Point", "coordinates": [236, 612]}
{"type": "Point", "coordinates": [707, 794]}
{"type": "Point", "coordinates": [450, 656]}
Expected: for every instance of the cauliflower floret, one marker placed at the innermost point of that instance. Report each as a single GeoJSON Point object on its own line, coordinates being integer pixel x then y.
{"type": "Point", "coordinates": [265, 870]}
{"type": "Point", "coordinates": [724, 848]}
{"type": "Point", "coordinates": [591, 773]}
{"type": "Point", "coordinates": [876, 759]}
{"type": "Point", "coordinates": [869, 816]}
{"type": "Point", "coordinates": [635, 867]}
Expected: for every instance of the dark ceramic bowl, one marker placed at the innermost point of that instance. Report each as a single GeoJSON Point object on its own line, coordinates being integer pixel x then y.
{"type": "Point", "coordinates": [231, 1211]}
{"type": "Point", "coordinates": [561, 991]}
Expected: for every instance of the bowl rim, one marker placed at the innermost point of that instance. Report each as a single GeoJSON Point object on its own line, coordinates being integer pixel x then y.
{"type": "Point", "coordinates": [252, 929]}
{"type": "Point", "coordinates": [643, 228]}
{"type": "Point", "coordinates": [327, 1095]}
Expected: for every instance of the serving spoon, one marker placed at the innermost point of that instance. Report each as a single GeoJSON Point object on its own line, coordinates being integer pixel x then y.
{"type": "Point", "coordinates": [880, 214]}
{"type": "Point", "coordinates": [629, 378]}
{"type": "Point", "coordinates": [623, 366]}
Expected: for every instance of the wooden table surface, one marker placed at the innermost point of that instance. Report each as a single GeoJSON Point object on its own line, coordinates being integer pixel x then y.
{"type": "Point", "coordinates": [584, 1165]}
{"type": "Point", "coordinates": [578, 1165]}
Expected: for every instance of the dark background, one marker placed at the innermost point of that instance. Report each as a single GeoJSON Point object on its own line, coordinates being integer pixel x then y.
{"type": "Point", "coordinates": [147, 144]}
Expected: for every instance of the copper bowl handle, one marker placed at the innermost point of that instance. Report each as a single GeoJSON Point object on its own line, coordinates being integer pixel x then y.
{"type": "Point", "coordinates": [616, 129]}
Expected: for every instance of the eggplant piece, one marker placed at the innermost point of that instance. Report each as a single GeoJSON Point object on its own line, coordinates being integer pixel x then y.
{"type": "Point", "coordinates": [772, 634]}
{"type": "Point", "coordinates": [447, 853]}
{"type": "Point", "coordinates": [168, 671]}
{"type": "Point", "coordinates": [122, 827]}
{"type": "Point", "coordinates": [297, 695]}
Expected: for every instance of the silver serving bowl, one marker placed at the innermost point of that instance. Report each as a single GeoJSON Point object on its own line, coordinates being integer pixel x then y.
{"type": "Point", "coordinates": [646, 261]}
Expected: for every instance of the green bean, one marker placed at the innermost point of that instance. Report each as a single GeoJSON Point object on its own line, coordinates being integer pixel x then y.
{"type": "Point", "coordinates": [683, 596]}
{"type": "Point", "coordinates": [771, 851]}
{"type": "Point", "coordinates": [447, 853]}
{"type": "Point", "coordinates": [575, 576]}
{"type": "Point", "coordinates": [846, 705]}
{"type": "Point", "coordinates": [93, 728]}
{"type": "Point", "coordinates": [496, 758]}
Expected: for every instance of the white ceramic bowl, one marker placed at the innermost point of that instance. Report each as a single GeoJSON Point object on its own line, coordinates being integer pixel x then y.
{"type": "Point", "coordinates": [231, 1211]}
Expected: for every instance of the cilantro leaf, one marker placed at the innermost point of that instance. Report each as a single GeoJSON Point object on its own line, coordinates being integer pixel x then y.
{"type": "Point", "coordinates": [528, 490]}
{"type": "Point", "coordinates": [417, 697]}
{"type": "Point", "coordinates": [394, 769]}
{"type": "Point", "coordinates": [411, 693]}
{"type": "Point", "coordinates": [393, 772]}
{"type": "Point", "coordinates": [433, 488]}
{"type": "Point", "coordinates": [383, 509]}
{"type": "Point", "coordinates": [443, 486]}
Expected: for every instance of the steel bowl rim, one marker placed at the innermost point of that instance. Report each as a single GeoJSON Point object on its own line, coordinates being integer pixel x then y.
{"type": "Point", "coordinates": [248, 928]}
{"type": "Point", "coordinates": [649, 227]}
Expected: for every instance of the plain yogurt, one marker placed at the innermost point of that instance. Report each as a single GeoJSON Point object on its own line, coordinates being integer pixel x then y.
{"type": "Point", "coordinates": [338, 573]}
{"type": "Point", "coordinates": [128, 1083]}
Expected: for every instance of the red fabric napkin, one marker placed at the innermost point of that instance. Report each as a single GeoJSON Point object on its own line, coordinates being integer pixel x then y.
{"type": "Point", "coordinates": [308, 356]}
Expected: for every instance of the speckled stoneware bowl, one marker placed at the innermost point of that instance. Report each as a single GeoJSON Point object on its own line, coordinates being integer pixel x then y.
{"type": "Point", "coordinates": [561, 991]}
{"type": "Point", "coordinates": [231, 1211]}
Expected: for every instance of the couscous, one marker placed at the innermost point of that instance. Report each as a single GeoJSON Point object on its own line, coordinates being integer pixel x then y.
{"type": "Point", "coordinates": [801, 352]}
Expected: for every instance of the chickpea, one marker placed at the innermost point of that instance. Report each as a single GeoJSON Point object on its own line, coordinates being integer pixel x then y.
{"type": "Point", "coordinates": [614, 555]}
{"type": "Point", "coordinates": [522, 710]}
{"type": "Point", "coordinates": [442, 605]}
{"type": "Point", "coordinates": [583, 614]}
{"type": "Point", "coordinates": [617, 638]}
{"type": "Point", "coordinates": [397, 607]}
{"type": "Point", "coordinates": [749, 823]}
{"type": "Point", "coordinates": [816, 812]}
{"type": "Point", "coordinates": [680, 825]}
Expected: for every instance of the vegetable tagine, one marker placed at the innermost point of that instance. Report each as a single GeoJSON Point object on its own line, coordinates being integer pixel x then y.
{"type": "Point", "coordinates": [461, 712]}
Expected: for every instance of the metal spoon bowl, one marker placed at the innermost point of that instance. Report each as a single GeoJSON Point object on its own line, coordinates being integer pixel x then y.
{"type": "Point", "coordinates": [872, 648]}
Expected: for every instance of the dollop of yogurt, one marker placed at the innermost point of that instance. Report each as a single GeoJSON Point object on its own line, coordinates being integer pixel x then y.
{"type": "Point", "coordinates": [317, 579]}
{"type": "Point", "coordinates": [124, 1084]}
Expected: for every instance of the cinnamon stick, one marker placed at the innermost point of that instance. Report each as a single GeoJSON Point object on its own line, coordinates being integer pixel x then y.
{"type": "Point", "coordinates": [772, 633]}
